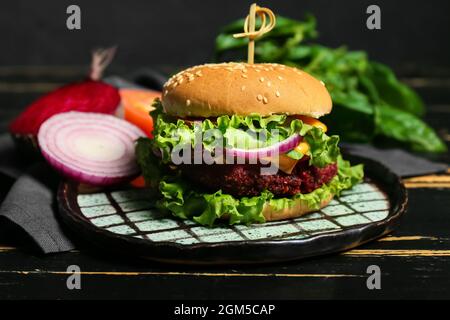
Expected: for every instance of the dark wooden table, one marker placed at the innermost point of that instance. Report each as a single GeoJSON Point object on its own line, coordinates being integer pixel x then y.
{"type": "Point", "coordinates": [414, 260]}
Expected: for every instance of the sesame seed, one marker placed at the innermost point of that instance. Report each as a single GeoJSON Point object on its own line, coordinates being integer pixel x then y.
{"type": "Point", "coordinates": [244, 76]}
{"type": "Point", "coordinates": [261, 79]}
{"type": "Point", "coordinates": [280, 77]}
{"type": "Point", "coordinates": [269, 83]}
{"type": "Point", "coordinates": [265, 100]}
{"type": "Point", "coordinates": [199, 73]}
{"type": "Point", "coordinates": [322, 83]}
{"type": "Point", "coordinates": [188, 102]}
{"type": "Point", "coordinates": [259, 97]}
{"type": "Point", "coordinates": [257, 70]}
{"type": "Point", "coordinates": [244, 70]}
{"type": "Point", "coordinates": [242, 88]}
{"type": "Point", "coordinates": [277, 93]}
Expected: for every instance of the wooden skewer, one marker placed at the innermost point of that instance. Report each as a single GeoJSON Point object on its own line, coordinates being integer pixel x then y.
{"type": "Point", "coordinates": [249, 28]}
{"type": "Point", "coordinates": [251, 42]}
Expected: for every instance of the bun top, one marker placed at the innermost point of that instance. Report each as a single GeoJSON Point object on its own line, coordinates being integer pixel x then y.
{"type": "Point", "coordinates": [212, 90]}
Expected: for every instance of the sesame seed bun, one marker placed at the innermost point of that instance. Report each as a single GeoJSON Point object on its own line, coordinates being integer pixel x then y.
{"type": "Point", "coordinates": [300, 208]}
{"type": "Point", "coordinates": [212, 90]}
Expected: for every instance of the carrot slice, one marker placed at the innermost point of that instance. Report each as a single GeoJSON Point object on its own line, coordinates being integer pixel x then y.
{"type": "Point", "coordinates": [137, 104]}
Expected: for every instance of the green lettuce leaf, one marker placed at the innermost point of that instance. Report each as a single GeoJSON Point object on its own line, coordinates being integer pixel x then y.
{"type": "Point", "coordinates": [183, 201]}
{"type": "Point", "coordinates": [252, 131]}
{"type": "Point", "coordinates": [149, 163]}
{"type": "Point", "coordinates": [323, 149]}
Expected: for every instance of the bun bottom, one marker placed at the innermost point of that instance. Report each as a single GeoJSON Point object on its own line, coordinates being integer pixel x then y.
{"type": "Point", "coordinates": [300, 208]}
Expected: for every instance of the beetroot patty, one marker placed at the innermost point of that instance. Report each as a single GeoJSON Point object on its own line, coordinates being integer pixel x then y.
{"type": "Point", "coordinates": [245, 179]}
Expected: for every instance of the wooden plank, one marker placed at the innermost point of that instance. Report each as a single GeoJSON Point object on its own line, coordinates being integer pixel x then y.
{"type": "Point", "coordinates": [43, 71]}
{"type": "Point", "coordinates": [420, 82]}
{"type": "Point", "coordinates": [429, 181]}
{"type": "Point", "coordinates": [407, 238]}
{"type": "Point", "coordinates": [402, 277]}
{"type": "Point", "coordinates": [184, 274]}
{"type": "Point", "coordinates": [436, 185]}
{"type": "Point", "coordinates": [341, 276]}
{"type": "Point", "coordinates": [34, 87]}
{"type": "Point", "coordinates": [429, 178]}
{"type": "Point", "coordinates": [389, 238]}
{"type": "Point", "coordinates": [7, 248]}
{"type": "Point", "coordinates": [398, 253]}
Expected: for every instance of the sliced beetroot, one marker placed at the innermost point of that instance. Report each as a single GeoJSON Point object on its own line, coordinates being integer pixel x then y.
{"type": "Point", "coordinates": [90, 148]}
{"type": "Point", "coordinates": [86, 96]}
{"type": "Point", "coordinates": [91, 95]}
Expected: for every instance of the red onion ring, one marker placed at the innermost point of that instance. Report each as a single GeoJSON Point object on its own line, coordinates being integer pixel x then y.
{"type": "Point", "coordinates": [91, 148]}
{"type": "Point", "coordinates": [279, 148]}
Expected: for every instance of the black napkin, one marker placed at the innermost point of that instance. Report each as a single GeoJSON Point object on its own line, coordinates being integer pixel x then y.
{"type": "Point", "coordinates": [402, 163]}
{"type": "Point", "coordinates": [11, 163]}
{"type": "Point", "coordinates": [30, 202]}
{"type": "Point", "coordinates": [30, 205]}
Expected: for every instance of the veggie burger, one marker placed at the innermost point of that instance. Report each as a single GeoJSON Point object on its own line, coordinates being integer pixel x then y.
{"type": "Point", "coordinates": [241, 143]}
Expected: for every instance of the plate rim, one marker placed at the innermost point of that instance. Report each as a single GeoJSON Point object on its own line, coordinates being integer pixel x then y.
{"type": "Point", "coordinates": [75, 221]}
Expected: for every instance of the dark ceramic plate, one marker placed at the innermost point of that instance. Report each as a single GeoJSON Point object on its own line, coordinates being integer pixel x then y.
{"type": "Point", "coordinates": [126, 221]}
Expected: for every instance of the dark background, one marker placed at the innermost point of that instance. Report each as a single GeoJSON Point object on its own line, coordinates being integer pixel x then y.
{"type": "Point", "coordinates": [38, 54]}
{"type": "Point", "coordinates": [413, 40]}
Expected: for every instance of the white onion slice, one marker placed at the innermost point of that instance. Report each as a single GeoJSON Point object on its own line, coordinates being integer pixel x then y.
{"type": "Point", "coordinates": [277, 148]}
{"type": "Point", "coordinates": [91, 148]}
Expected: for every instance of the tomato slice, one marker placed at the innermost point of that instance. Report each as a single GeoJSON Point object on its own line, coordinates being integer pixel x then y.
{"type": "Point", "coordinates": [139, 182]}
{"type": "Point", "coordinates": [312, 122]}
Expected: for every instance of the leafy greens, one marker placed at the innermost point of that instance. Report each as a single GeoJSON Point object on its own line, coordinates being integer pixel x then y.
{"type": "Point", "coordinates": [170, 133]}
{"type": "Point", "coordinates": [183, 200]}
{"type": "Point", "coordinates": [369, 100]}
